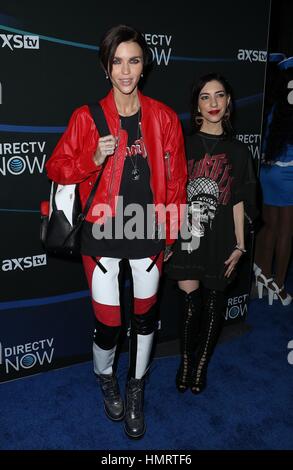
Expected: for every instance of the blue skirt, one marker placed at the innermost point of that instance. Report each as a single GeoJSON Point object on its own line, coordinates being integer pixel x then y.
{"type": "Point", "coordinates": [277, 185]}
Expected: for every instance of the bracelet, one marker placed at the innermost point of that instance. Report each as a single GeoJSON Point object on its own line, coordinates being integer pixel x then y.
{"type": "Point", "coordinates": [240, 249]}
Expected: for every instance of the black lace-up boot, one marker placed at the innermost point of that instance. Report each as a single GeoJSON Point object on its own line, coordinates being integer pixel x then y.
{"type": "Point", "coordinates": [141, 343]}
{"type": "Point", "coordinates": [104, 349]}
{"type": "Point", "coordinates": [212, 322]}
{"type": "Point", "coordinates": [134, 419]}
{"type": "Point", "coordinates": [113, 403]}
{"type": "Point", "coordinates": [189, 337]}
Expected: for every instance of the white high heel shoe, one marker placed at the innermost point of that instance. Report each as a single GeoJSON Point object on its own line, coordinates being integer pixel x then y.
{"type": "Point", "coordinates": [261, 282]}
{"type": "Point", "coordinates": [259, 276]}
{"type": "Point", "coordinates": [256, 270]}
{"type": "Point", "coordinates": [274, 293]}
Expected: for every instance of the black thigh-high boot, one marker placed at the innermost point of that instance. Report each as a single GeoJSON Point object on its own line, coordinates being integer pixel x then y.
{"type": "Point", "coordinates": [141, 343]}
{"type": "Point", "coordinates": [211, 325]}
{"type": "Point", "coordinates": [104, 348]}
{"type": "Point", "coordinates": [190, 328]}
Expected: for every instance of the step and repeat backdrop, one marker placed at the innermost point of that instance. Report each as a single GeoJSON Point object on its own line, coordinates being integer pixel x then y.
{"type": "Point", "coordinates": [49, 66]}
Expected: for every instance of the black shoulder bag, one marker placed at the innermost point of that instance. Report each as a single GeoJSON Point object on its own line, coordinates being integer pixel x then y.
{"type": "Point", "coordinates": [61, 226]}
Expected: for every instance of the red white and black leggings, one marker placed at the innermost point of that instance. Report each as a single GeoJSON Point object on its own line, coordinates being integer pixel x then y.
{"type": "Point", "coordinates": [103, 275]}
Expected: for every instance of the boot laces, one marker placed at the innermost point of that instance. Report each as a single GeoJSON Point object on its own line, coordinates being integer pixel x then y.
{"type": "Point", "coordinates": [135, 391]}
{"type": "Point", "coordinates": [110, 386]}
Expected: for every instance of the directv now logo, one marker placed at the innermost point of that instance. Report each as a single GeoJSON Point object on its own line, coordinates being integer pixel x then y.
{"type": "Point", "coordinates": [160, 47]}
{"type": "Point", "coordinates": [26, 356]}
{"type": "Point", "coordinates": [236, 307]}
{"type": "Point", "coordinates": [17, 41]}
{"type": "Point", "coordinates": [24, 263]}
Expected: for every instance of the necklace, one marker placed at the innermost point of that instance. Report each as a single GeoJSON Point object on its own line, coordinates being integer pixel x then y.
{"type": "Point", "coordinates": [135, 174]}
{"type": "Point", "coordinates": [209, 151]}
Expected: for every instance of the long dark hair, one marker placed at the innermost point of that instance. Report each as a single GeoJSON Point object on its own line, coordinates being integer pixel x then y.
{"type": "Point", "coordinates": [115, 36]}
{"type": "Point", "coordinates": [281, 127]}
{"type": "Point", "coordinates": [196, 89]}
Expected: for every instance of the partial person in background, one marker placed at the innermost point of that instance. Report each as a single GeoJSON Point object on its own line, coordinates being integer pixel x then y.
{"type": "Point", "coordinates": [220, 180]}
{"type": "Point", "coordinates": [274, 241]}
{"type": "Point", "coordinates": [273, 77]}
{"type": "Point", "coordinates": [143, 161]}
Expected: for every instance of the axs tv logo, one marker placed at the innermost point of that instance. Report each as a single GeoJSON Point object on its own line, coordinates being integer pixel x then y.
{"type": "Point", "coordinates": [21, 264]}
{"type": "Point", "coordinates": [16, 41]}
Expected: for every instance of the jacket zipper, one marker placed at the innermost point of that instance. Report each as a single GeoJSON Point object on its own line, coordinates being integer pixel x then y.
{"type": "Point", "coordinates": [141, 133]}
{"type": "Point", "coordinates": [114, 165]}
{"type": "Point", "coordinates": [147, 154]}
{"type": "Point", "coordinates": [167, 158]}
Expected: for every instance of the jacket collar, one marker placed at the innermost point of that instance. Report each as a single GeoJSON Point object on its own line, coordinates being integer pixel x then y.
{"type": "Point", "coordinates": [109, 105]}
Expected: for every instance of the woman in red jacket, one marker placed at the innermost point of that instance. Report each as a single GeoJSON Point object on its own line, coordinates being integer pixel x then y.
{"type": "Point", "coordinates": [143, 167]}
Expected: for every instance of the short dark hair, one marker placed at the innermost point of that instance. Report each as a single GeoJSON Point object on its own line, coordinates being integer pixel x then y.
{"type": "Point", "coordinates": [197, 87]}
{"type": "Point", "coordinates": [115, 36]}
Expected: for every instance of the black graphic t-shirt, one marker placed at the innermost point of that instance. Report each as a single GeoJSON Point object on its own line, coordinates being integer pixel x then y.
{"type": "Point", "coordinates": [220, 175]}
{"type": "Point", "coordinates": [135, 189]}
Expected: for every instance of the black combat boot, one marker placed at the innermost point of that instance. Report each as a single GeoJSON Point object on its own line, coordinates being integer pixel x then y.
{"type": "Point", "coordinates": [134, 418]}
{"type": "Point", "coordinates": [141, 343]}
{"type": "Point", "coordinates": [103, 368]}
{"type": "Point", "coordinates": [113, 403]}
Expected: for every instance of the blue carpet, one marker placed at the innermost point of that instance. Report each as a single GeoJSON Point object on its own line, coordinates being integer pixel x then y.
{"type": "Point", "coordinates": [247, 405]}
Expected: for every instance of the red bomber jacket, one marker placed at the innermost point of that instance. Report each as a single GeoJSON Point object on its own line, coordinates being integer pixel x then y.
{"type": "Point", "coordinates": [72, 159]}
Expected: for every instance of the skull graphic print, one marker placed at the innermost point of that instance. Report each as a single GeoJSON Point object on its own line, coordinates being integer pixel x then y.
{"type": "Point", "coordinates": [203, 195]}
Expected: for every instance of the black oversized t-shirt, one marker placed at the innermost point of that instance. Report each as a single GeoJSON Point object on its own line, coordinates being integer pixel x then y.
{"type": "Point", "coordinates": [135, 189]}
{"type": "Point", "coordinates": [220, 174]}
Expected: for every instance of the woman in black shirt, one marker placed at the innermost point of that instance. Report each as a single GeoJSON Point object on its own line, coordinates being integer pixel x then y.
{"type": "Point", "coordinates": [212, 239]}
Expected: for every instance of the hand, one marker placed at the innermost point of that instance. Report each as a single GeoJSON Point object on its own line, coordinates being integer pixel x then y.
{"type": "Point", "coordinates": [168, 253]}
{"type": "Point", "coordinates": [106, 146]}
{"type": "Point", "coordinates": [231, 262]}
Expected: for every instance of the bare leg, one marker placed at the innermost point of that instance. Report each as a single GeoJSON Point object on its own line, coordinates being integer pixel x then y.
{"type": "Point", "coordinates": [266, 239]}
{"type": "Point", "coordinates": [188, 286]}
{"type": "Point", "coordinates": [283, 245]}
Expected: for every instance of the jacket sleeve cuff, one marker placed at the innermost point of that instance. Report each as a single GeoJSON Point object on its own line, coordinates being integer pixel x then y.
{"type": "Point", "coordinates": [89, 165]}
